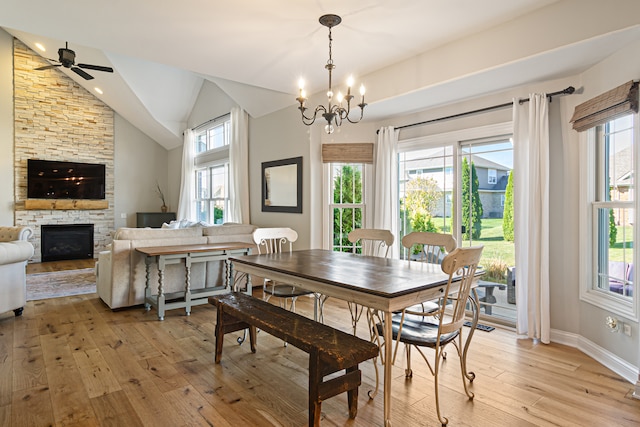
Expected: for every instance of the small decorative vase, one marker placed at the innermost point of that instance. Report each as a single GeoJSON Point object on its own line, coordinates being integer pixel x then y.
{"type": "Point", "coordinates": [163, 208]}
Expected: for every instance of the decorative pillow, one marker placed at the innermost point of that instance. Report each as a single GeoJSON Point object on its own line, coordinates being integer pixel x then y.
{"type": "Point", "coordinates": [184, 223]}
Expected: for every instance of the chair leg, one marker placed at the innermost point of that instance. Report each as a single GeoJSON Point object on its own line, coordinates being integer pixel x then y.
{"type": "Point", "coordinates": [463, 370]}
{"type": "Point", "coordinates": [356, 312]}
{"type": "Point", "coordinates": [442, 419]}
{"type": "Point", "coordinates": [408, 373]}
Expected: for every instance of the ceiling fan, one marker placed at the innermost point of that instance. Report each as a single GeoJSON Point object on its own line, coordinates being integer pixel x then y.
{"type": "Point", "coordinates": [67, 59]}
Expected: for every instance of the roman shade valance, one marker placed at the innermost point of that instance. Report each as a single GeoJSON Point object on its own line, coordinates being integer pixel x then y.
{"type": "Point", "coordinates": [607, 106]}
{"type": "Point", "coordinates": [347, 153]}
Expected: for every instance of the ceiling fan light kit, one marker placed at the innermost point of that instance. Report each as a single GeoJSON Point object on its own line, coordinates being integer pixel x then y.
{"type": "Point", "coordinates": [67, 59]}
{"type": "Point", "coordinates": [333, 113]}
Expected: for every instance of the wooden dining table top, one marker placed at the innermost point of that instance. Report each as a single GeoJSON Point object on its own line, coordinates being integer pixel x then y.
{"type": "Point", "coordinates": [383, 277]}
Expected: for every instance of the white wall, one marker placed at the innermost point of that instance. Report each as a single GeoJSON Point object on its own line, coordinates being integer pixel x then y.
{"type": "Point", "coordinates": [277, 136]}
{"type": "Point", "coordinates": [6, 129]}
{"type": "Point", "coordinates": [140, 162]}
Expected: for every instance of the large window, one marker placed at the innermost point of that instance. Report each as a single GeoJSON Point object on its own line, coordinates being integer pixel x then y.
{"type": "Point", "coordinates": [459, 183]}
{"type": "Point", "coordinates": [347, 202]}
{"type": "Point", "coordinates": [613, 210]}
{"type": "Point", "coordinates": [212, 171]}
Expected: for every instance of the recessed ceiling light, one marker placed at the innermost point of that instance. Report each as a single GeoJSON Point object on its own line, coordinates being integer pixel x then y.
{"type": "Point", "coordinates": [39, 46]}
{"type": "Point", "coordinates": [97, 89]}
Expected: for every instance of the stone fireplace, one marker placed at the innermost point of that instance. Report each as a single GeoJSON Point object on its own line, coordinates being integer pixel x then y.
{"type": "Point", "coordinates": [66, 241]}
{"type": "Point", "coordinates": [57, 119]}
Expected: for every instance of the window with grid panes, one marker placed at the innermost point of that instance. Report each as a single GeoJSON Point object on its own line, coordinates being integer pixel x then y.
{"type": "Point", "coordinates": [212, 171]}
{"type": "Point", "coordinates": [347, 202]}
{"type": "Point", "coordinates": [613, 209]}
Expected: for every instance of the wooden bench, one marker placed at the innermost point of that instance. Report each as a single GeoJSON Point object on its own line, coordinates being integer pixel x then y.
{"type": "Point", "coordinates": [330, 350]}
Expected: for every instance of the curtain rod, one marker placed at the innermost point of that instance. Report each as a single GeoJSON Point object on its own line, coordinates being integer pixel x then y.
{"type": "Point", "coordinates": [567, 91]}
{"type": "Point", "coordinates": [209, 121]}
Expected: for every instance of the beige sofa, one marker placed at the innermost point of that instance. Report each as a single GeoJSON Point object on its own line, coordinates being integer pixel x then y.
{"type": "Point", "coordinates": [15, 251]}
{"type": "Point", "coordinates": [121, 269]}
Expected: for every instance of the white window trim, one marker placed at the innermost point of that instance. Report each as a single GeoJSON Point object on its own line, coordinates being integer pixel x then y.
{"type": "Point", "coordinates": [587, 234]}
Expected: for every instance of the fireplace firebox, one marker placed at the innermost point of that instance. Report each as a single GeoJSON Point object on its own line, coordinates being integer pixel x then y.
{"type": "Point", "coordinates": [66, 241]}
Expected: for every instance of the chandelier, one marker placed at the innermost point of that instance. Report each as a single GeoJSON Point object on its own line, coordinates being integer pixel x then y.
{"type": "Point", "coordinates": [333, 113]}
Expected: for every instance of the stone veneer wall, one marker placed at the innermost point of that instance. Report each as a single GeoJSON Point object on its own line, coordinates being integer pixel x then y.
{"type": "Point", "coordinates": [57, 119]}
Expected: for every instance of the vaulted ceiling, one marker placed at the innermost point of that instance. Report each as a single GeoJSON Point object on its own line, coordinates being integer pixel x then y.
{"type": "Point", "coordinates": [255, 51]}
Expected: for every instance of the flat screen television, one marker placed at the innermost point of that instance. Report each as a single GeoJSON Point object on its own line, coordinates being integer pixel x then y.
{"type": "Point", "coordinates": [50, 179]}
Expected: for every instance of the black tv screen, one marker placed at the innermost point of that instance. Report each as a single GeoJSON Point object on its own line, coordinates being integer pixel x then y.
{"type": "Point", "coordinates": [48, 179]}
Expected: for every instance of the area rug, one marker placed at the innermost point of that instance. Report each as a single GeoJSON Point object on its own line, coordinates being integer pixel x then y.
{"type": "Point", "coordinates": [60, 283]}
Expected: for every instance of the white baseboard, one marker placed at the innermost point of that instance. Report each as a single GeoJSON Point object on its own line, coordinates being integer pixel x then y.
{"type": "Point", "coordinates": [621, 367]}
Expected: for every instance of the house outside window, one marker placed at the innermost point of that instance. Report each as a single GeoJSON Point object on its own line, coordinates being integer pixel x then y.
{"type": "Point", "coordinates": [212, 171]}
{"type": "Point", "coordinates": [611, 160]}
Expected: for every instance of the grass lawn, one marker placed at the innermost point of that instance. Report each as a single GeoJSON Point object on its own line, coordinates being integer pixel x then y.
{"type": "Point", "coordinates": [491, 237]}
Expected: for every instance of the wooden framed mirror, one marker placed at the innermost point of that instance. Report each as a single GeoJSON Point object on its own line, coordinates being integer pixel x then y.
{"type": "Point", "coordinates": [282, 185]}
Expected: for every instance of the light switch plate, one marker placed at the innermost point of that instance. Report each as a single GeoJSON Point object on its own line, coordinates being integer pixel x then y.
{"type": "Point", "coordinates": [123, 215]}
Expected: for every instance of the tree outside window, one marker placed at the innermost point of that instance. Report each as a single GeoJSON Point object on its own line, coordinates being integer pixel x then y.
{"type": "Point", "coordinates": [471, 205]}
{"type": "Point", "coordinates": [347, 203]}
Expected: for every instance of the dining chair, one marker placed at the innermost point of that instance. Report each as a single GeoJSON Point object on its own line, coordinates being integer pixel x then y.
{"type": "Point", "coordinates": [445, 325]}
{"type": "Point", "coordinates": [429, 247]}
{"type": "Point", "coordinates": [370, 242]}
{"type": "Point", "coordinates": [277, 240]}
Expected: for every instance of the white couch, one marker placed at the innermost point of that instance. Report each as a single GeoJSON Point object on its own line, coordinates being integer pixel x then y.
{"type": "Point", "coordinates": [121, 269]}
{"type": "Point", "coordinates": [15, 251]}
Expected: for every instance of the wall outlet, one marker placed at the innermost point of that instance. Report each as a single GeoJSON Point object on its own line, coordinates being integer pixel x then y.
{"type": "Point", "coordinates": [626, 328]}
{"type": "Point", "coordinates": [123, 215]}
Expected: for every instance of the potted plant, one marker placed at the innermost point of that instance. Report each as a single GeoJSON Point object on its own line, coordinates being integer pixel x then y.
{"type": "Point", "coordinates": [163, 208]}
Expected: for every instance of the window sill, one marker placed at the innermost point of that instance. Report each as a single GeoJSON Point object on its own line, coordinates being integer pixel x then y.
{"type": "Point", "coordinates": [612, 303]}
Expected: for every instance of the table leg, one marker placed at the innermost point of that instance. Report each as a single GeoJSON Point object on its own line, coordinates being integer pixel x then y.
{"type": "Point", "coordinates": [147, 286]}
{"type": "Point", "coordinates": [388, 350]}
{"type": "Point", "coordinates": [161, 296]}
{"type": "Point", "coordinates": [229, 282]}
{"type": "Point", "coordinates": [187, 291]}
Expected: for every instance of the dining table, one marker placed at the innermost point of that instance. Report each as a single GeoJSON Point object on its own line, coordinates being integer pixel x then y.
{"type": "Point", "coordinates": [383, 284]}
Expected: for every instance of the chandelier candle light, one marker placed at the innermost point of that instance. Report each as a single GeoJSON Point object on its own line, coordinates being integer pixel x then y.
{"type": "Point", "coordinates": [334, 114]}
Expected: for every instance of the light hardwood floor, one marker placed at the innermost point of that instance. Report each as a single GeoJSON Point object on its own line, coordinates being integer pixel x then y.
{"type": "Point", "coordinates": [73, 362]}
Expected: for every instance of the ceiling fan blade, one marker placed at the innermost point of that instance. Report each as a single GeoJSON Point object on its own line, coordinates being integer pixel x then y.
{"type": "Point", "coordinates": [82, 73]}
{"type": "Point", "coordinates": [47, 67]}
{"type": "Point", "coordinates": [96, 67]}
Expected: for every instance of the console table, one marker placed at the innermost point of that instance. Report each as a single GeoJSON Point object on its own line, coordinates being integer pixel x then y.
{"type": "Point", "coordinates": [189, 254]}
{"type": "Point", "coordinates": [154, 219]}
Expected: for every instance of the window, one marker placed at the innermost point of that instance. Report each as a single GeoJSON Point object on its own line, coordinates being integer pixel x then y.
{"type": "Point", "coordinates": [212, 199]}
{"type": "Point", "coordinates": [454, 196]}
{"type": "Point", "coordinates": [425, 199]}
{"type": "Point", "coordinates": [215, 135]}
{"type": "Point", "coordinates": [212, 171]}
{"type": "Point", "coordinates": [347, 202]}
{"type": "Point", "coordinates": [613, 210]}
{"type": "Point", "coordinates": [492, 176]}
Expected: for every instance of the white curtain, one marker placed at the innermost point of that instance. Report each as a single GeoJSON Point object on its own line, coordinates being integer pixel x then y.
{"type": "Point", "coordinates": [186, 208]}
{"type": "Point", "coordinates": [531, 216]}
{"type": "Point", "coordinates": [239, 167]}
{"type": "Point", "coordinates": [385, 203]}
